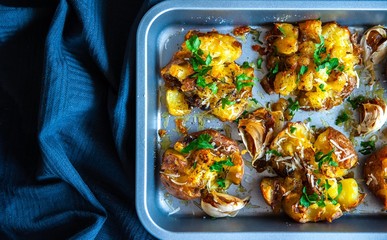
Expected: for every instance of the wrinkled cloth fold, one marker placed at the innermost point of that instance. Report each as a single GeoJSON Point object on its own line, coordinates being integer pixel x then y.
{"type": "Point", "coordinates": [67, 80]}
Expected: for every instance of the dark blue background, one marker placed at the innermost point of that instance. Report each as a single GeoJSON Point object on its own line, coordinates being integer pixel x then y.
{"type": "Point", "coordinates": [67, 77]}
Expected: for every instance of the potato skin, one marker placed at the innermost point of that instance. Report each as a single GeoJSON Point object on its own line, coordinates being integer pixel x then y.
{"type": "Point", "coordinates": [185, 175]}
{"type": "Point", "coordinates": [375, 174]}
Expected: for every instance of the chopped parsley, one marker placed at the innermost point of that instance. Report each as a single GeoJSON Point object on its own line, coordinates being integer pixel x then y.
{"type": "Point", "coordinates": [194, 165]}
{"type": "Point", "coordinates": [282, 31]}
{"type": "Point", "coordinates": [302, 71]}
{"type": "Point", "coordinates": [193, 43]}
{"type": "Point", "coordinates": [218, 166]}
{"type": "Point", "coordinates": [308, 119]}
{"type": "Point", "coordinates": [245, 65]}
{"type": "Point", "coordinates": [293, 107]}
{"type": "Point", "coordinates": [292, 129]}
{"type": "Point", "coordinates": [274, 152]}
{"type": "Point", "coordinates": [273, 71]}
{"type": "Point", "coordinates": [256, 35]}
{"type": "Point", "coordinates": [328, 63]}
{"type": "Point", "coordinates": [202, 142]}
{"type": "Point", "coordinates": [357, 101]}
{"type": "Point", "coordinates": [242, 80]}
{"type": "Point", "coordinates": [259, 63]}
{"type": "Point", "coordinates": [320, 49]}
{"type": "Point", "coordinates": [225, 102]}
{"type": "Point", "coordinates": [342, 118]}
{"type": "Point", "coordinates": [322, 87]}
{"type": "Point", "coordinates": [322, 158]}
{"type": "Point", "coordinates": [221, 182]}
{"type": "Point", "coordinates": [367, 147]}
{"type": "Point", "coordinates": [200, 66]}
{"type": "Point", "coordinates": [306, 200]}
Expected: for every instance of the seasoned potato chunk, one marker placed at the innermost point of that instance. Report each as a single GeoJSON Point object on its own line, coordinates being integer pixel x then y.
{"type": "Point", "coordinates": [176, 103]}
{"type": "Point", "coordinates": [317, 67]}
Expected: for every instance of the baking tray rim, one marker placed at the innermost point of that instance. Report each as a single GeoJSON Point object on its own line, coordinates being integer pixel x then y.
{"type": "Point", "coordinates": [142, 118]}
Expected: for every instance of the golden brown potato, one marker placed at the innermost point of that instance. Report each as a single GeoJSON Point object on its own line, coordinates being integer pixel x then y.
{"type": "Point", "coordinates": [176, 103]}
{"type": "Point", "coordinates": [375, 174]}
{"type": "Point", "coordinates": [343, 153]}
{"type": "Point", "coordinates": [202, 160]}
{"type": "Point", "coordinates": [311, 166]}
{"type": "Point", "coordinates": [204, 72]}
{"type": "Point", "coordinates": [317, 67]}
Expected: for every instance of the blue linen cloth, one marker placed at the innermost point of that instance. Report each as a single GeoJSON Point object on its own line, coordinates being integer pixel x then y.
{"type": "Point", "coordinates": [67, 82]}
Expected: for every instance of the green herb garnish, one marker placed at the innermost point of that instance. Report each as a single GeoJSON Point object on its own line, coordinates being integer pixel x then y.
{"type": "Point", "coordinates": [259, 63]}
{"type": "Point", "coordinates": [225, 102]}
{"type": "Point", "coordinates": [213, 87]}
{"type": "Point", "coordinates": [274, 152]}
{"type": "Point", "coordinates": [193, 43]}
{"type": "Point", "coordinates": [322, 158]}
{"type": "Point", "coordinates": [202, 142]}
{"type": "Point", "coordinates": [200, 66]}
{"type": "Point", "coordinates": [245, 65]}
{"type": "Point", "coordinates": [306, 200]}
{"type": "Point", "coordinates": [294, 106]}
{"type": "Point", "coordinates": [292, 129]}
{"type": "Point", "coordinates": [302, 71]}
{"type": "Point", "coordinates": [322, 87]}
{"type": "Point", "coordinates": [342, 118]}
{"type": "Point", "coordinates": [242, 81]}
{"type": "Point", "coordinates": [320, 48]}
{"type": "Point", "coordinates": [194, 165]}
{"type": "Point", "coordinates": [273, 71]}
{"type": "Point", "coordinates": [218, 166]}
{"type": "Point", "coordinates": [282, 31]}
{"type": "Point", "coordinates": [367, 147]}
{"type": "Point", "coordinates": [221, 182]}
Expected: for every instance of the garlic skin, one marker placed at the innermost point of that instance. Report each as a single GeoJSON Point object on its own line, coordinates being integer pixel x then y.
{"type": "Point", "coordinates": [373, 115]}
{"type": "Point", "coordinates": [219, 205]}
{"type": "Point", "coordinates": [374, 43]}
{"type": "Point", "coordinates": [258, 129]}
{"type": "Point", "coordinates": [255, 137]}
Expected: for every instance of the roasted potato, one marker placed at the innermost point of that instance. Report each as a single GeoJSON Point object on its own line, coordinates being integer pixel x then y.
{"type": "Point", "coordinates": [312, 61]}
{"type": "Point", "coordinates": [176, 103]}
{"type": "Point", "coordinates": [310, 166]}
{"type": "Point", "coordinates": [205, 160]}
{"type": "Point", "coordinates": [205, 73]}
{"type": "Point", "coordinates": [375, 174]}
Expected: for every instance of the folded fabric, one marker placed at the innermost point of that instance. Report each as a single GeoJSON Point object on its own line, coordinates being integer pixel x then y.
{"type": "Point", "coordinates": [67, 119]}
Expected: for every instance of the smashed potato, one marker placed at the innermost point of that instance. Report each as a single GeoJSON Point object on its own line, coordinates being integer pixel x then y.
{"type": "Point", "coordinates": [375, 174]}
{"type": "Point", "coordinates": [310, 166]}
{"type": "Point", "coordinates": [204, 72]}
{"type": "Point", "coordinates": [312, 61]}
{"type": "Point", "coordinates": [202, 164]}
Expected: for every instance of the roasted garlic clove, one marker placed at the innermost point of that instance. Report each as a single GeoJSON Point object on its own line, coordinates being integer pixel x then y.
{"type": "Point", "coordinates": [255, 136]}
{"type": "Point", "coordinates": [372, 116]}
{"type": "Point", "coordinates": [375, 48]}
{"type": "Point", "coordinates": [222, 205]}
{"type": "Point", "coordinates": [258, 129]}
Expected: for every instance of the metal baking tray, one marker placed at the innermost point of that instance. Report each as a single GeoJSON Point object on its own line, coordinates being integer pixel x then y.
{"type": "Point", "coordinates": [159, 35]}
